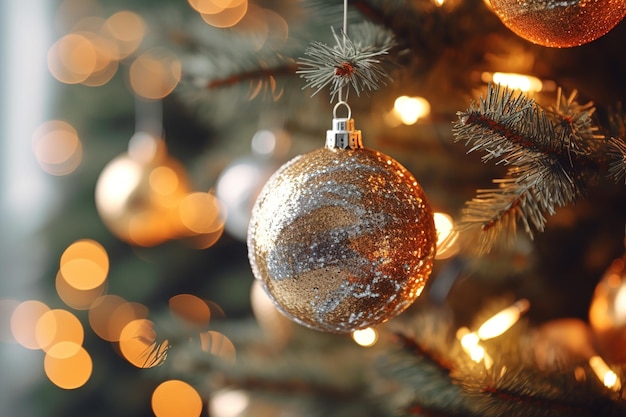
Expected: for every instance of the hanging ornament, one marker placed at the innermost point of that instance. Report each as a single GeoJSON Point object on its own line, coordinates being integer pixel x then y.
{"type": "Point", "coordinates": [138, 193]}
{"type": "Point", "coordinates": [343, 237]}
{"type": "Point", "coordinates": [240, 183]}
{"type": "Point", "coordinates": [560, 23]}
{"type": "Point", "coordinates": [607, 312]}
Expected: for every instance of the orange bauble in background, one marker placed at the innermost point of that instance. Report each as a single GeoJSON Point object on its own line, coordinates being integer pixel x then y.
{"type": "Point", "coordinates": [138, 193]}
{"type": "Point", "coordinates": [607, 313]}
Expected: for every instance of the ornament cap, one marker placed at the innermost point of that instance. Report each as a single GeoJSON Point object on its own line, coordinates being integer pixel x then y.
{"type": "Point", "coordinates": [343, 135]}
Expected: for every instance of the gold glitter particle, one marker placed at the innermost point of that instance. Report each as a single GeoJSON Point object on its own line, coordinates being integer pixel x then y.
{"type": "Point", "coordinates": [342, 239]}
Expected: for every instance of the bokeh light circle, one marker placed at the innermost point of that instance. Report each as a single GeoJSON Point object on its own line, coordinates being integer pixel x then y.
{"type": "Point", "coordinates": [24, 322]}
{"type": "Point", "coordinates": [56, 326]}
{"type": "Point", "coordinates": [176, 398]}
{"type": "Point", "coordinates": [68, 365]}
{"type": "Point", "coordinates": [85, 264]}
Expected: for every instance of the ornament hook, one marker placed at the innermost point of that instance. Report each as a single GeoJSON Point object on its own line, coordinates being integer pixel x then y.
{"type": "Point", "coordinates": [342, 103]}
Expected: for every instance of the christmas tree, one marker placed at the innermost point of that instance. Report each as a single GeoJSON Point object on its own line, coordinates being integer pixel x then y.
{"type": "Point", "coordinates": [137, 137]}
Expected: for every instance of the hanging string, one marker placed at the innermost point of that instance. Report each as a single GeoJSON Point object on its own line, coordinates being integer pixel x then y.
{"type": "Point", "coordinates": [345, 36]}
{"type": "Point", "coordinates": [149, 116]}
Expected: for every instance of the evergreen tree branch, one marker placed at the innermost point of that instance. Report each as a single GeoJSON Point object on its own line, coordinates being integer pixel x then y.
{"type": "Point", "coordinates": [286, 69]}
{"type": "Point", "coordinates": [552, 155]}
{"type": "Point", "coordinates": [512, 385]}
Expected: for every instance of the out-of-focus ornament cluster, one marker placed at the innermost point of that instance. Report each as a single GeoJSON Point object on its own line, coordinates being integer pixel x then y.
{"type": "Point", "coordinates": [343, 237]}
{"type": "Point", "coordinates": [144, 198]}
{"type": "Point", "coordinates": [560, 24]}
{"type": "Point", "coordinates": [607, 313]}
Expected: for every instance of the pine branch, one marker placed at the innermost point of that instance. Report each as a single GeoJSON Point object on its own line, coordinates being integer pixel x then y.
{"type": "Point", "coordinates": [552, 156]}
{"type": "Point", "coordinates": [354, 61]}
{"type": "Point", "coordinates": [285, 69]}
{"type": "Point", "coordinates": [511, 386]}
{"type": "Point", "coordinates": [617, 165]}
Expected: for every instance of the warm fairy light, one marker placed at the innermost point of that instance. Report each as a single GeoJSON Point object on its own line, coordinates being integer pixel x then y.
{"type": "Point", "coordinates": [439, 3]}
{"type": "Point", "coordinates": [526, 83]}
{"type": "Point", "coordinates": [191, 309]}
{"type": "Point", "coordinates": [228, 403]}
{"type": "Point", "coordinates": [155, 73]}
{"type": "Point", "coordinates": [607, 376]}
{"type": "Point", "coordinates": [176, 398]}
{"type": "Point", "coordinates": [68, 365]}
{"type": "Point", "coordinates": [24, 322]}
{"type": "Point", "coordinates": [263, 27]}
{"type": "Point", "coordinates": [106, 49]}
{"type": "Point", "coordinates": [74, 297]}
{"type": "Point", "coordinates": [56, 326]}
{"type": "Point", "coordinates": [447, 237]}
{"type": "Point", "coordinates": [127, 29]}
{"type": "Point", "coordinates": [205, 240]}
{"type": "Point", "coordinates": [164, 180]}
{"type": "Point", "coordinates": [228, 16]}
{"type": "Point", "coordinates": [109, 314]}
{"type": "Point", "coordinates": [7, 307]}
{"type": "Point", "coordinates": [214, 6]}
{"type": "Point", "coordinates": [365, 337]}
{"type": "Point", "coordinates": [470, 342]}
{"type": "Point", "coordinates": [90, 54]}
{"type": "Point", "coordinates": [218, 344]}
{"type": "Point", "coordinates": [72, 59]}
{"type": "Point", "coordinates": [124, 314]}
{"type": "Point", "coordinates": [57, 148]}
{"type": "Point", "coordinates": [410, 109]}
{"type": "Point", "coordinates": [468, 339]}
{"type": "Point", "coordinates": [503, 320]}
{"type": "Point", "coordinates": [85, 264]}
{"type": "Point", "coordinates": [138, 344]}
{"type": "Point", "coordinates": [201, 212]}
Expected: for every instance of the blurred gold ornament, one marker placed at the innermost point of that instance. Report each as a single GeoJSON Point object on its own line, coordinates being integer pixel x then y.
{"type": "Point", "coordinates": [561, 343]}
{"type": "Point", "coordinates": [240, 183]}
{"type": "Point", "coordinates": [275, 325]}
{"type": "Point", "coordinates": [607, 313]}
{"type": "Point", "coordinates": [138, 193]}
{"type": "Point", "coordinates": [343, 237]}
{"type": "Point", "coordinates": [560, 24]}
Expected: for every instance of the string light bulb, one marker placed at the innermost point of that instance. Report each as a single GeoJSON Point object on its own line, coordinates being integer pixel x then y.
{"type": "Point", "coordinates": [605, 374]}
{"type": "Point", "coordinates": [365, 337]}
{"type": "Point", "coordinates": [503, 320]}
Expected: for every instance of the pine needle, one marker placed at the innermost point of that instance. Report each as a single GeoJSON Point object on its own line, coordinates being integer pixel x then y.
{"type": "Point", "coordinates": [617, 163]}
{"type": "Point", "coordinates": [350, 63]}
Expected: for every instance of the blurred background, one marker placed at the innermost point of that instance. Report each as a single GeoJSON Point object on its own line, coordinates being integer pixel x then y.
{"type": "Point", "coordinates": [135, 136]}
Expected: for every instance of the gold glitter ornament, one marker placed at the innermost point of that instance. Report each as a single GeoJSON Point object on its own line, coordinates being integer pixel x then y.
{"type": "Point", "coordinates": [342, 238]}
{"type": "Point", "coordinates": [560, 23]}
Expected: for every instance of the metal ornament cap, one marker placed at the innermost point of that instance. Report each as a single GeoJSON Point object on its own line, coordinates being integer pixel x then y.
{"type": "Point", "coordinates": [343, 135]}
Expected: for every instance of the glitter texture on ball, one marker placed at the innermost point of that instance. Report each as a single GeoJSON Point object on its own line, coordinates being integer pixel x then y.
{"type": "Point", "coordinates": [560, 23]}
{"type": "Point", "coordinates": [342, 239]}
